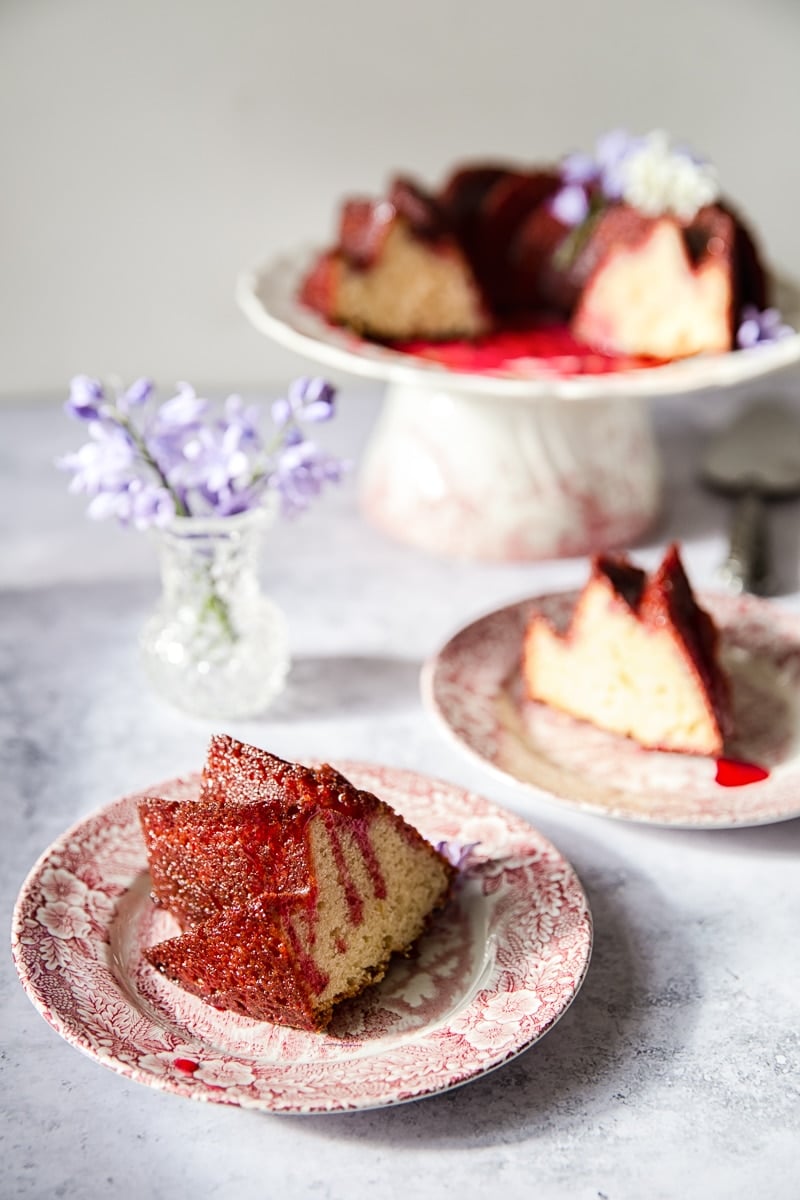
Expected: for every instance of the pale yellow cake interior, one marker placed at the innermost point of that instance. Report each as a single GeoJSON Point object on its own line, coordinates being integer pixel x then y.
{"type": "Point", "coordinates": [621, 675]}
{"type": "Point", "coordinates": [413, 290]}
{"type": "Point", "coordinates": [660, 304]}
{"type": "Point", "coordinates": [352, 955]}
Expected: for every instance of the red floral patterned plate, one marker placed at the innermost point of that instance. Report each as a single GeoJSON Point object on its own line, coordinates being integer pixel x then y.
{"type": "Point", "coordinates": [497, 969]}
{"type": "Point", "coordinates": [474, 686]}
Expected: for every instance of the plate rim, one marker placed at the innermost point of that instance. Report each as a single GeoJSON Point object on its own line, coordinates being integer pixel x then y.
{"type": "Point", "coordinates": [427, 681]}
{"type": "Point", "coordinates": [68, 1028]}
{"type": "Point", "coordinates": [343, 350]}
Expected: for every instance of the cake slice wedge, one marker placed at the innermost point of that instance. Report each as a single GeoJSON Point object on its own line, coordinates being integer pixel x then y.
{"type": "Point", "coordinates": [639, 657]}
{"type": "Point", "coordinates": [293, 887]}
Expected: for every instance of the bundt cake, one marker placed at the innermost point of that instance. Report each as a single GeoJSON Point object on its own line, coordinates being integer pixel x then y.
{"type": "Point", "coordinates": [639, 657]}
{"type": "Point", "coordinates": [632, 248]}
{"type": "Point", "coordinates": [292, 887]}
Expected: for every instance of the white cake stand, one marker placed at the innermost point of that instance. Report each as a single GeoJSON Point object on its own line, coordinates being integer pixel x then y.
{"type": "Point", "coordinates": [518, 465]}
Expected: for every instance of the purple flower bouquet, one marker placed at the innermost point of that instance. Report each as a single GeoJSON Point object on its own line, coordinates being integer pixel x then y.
{"type": "Point", "coordinates": [208, 479]}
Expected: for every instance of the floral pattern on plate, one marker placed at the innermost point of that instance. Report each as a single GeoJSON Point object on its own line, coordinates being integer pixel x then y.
{"type": "Point", "coordinates": [496, 970]}
{"type": "Point", "coordinates": [474, 686]}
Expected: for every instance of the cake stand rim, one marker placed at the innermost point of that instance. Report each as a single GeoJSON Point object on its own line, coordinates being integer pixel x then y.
{"type": "Point", "coordinates": [280, 316]}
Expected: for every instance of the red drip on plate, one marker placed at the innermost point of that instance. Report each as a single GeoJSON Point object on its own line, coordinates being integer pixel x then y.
{"type": "Point", "coordinates": [733, 772]}
{"type": "Point", "coordinates": [185, 1065]}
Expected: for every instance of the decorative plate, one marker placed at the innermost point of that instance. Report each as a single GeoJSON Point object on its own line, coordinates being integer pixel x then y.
{"type": "Point", "coordinates": [474, 686]}
{"type": "Point", "coordinates": [268, 297]}
{"type": "Point", "coordinates": [499, 966]}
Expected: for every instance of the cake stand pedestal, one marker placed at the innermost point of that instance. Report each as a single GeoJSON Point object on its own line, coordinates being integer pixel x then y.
{"type": "Point", "coordinates": [524, 463]}
{"type": "Point", "coordinates": [479, 476]}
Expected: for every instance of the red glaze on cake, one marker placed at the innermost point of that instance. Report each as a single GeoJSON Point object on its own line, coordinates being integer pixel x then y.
{"type": "Point", "coordinates": [293, 887]}
{"type": "Point", "coordinates": [640, 658]}
{"type": "Point", "coordinates": [626, 283]}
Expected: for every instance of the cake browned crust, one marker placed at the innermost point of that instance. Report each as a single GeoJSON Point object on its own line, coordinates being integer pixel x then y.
{"type": "Point", "coordinates": [292, 887]}
{"type": "Point", "coordinates": [640, 657]}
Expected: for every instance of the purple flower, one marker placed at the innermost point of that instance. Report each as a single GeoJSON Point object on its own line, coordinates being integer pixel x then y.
{"type": "Point", "coordinates": [245, 417]}
{"type": "Point", "coordinates": [136, 395]}
{"type": "Point", "coordinates": [151, 504]}
{"type": "Point", "coordinates": [611, 151]}
{"type": "Point", "coordinates": [601, 173]}
{"type": "Point", "coordinates": [578, 168]}
{"type": "Point", "coordinates": [139, 502]}
{"type": "Point", "coordinates": [761, 328]}
{"type": "Point", "coordinates": [458, 856]}
{"type": "Point", "coordinates": [302, 471]}
{"type": "Point", "coordinates": [598, 174]}
{"type": "Point", "coordinates": [86, 398]}
{"type": "Point", "coordinates": [102, 465]}
{"type": "Point", "coordinates": [307, 400]}
{"type": "Point", "coordinates": [146, 462]}
{"type": "Point", "coordinates": [184, 410]}
{"type": "Point", "coordinates": [570, 206]}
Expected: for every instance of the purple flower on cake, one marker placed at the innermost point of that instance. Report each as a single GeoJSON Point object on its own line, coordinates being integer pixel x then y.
{"type": "Point", "coordinates": [761, 328]}
{"type": "Point", "coordinates": [648, 173]}
{"type": "Point", "coordinates": [594, 178]}
{"type": "Point", "coordinates": [147, 462]}
{"type": "Point", "coordinates": [570, 206]}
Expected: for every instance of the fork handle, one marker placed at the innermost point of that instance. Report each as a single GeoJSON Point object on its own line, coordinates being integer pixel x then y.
{"type": "Point", "coordinates": [747, 567]}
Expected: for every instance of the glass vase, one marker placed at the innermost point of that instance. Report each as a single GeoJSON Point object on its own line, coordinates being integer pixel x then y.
{"type": "Point", "coordinates": [215, 646]}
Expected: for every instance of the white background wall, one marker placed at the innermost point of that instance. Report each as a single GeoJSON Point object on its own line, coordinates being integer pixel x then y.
{"type": "Point", "coordinates": [151, 149]}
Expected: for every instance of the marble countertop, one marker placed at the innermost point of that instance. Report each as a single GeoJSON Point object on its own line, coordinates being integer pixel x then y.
{"type": "Point", "coordinates": [675, 1071]}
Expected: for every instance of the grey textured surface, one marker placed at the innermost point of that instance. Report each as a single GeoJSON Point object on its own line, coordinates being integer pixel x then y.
{"type": "Point", "coordinates": [675, 1072]}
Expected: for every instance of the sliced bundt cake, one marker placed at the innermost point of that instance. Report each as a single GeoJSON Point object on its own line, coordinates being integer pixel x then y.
{"type": "Point", "coordinates": [632, 248]}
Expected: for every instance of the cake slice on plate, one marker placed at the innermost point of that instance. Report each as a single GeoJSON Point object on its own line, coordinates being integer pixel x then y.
{"type": "Point", "coordinates": [639, 658]}
{"type": "Point", "coordinates": [292, 886]}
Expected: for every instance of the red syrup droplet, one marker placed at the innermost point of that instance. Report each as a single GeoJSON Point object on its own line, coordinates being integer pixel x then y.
{"type": "Point", "coordinates": [732, 772]}
{"type": "Point", "coordinates": [185, 1065]}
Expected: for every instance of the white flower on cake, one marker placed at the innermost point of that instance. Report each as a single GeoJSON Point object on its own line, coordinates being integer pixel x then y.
{"type": "Point", "coordinates": [658, 179]}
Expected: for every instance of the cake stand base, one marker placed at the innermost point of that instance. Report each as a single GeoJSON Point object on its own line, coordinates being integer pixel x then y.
{"type": "Point", "coordinates": [494, 477]}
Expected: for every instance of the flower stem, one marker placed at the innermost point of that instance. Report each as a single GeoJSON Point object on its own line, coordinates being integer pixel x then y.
{"type": "Point", "coordinates": [216, 607]}
{"type": "Point", "coordinates": [180, 508]}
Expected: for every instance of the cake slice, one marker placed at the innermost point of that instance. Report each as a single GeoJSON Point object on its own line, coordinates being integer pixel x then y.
{"type": "Point", "coordinates": [293, 887]}
{"type": "Point", "coordinates": [639, 658]}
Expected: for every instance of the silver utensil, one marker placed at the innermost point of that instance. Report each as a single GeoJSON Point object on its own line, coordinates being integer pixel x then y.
{"type": "Point", "coordinates": [757, 458]}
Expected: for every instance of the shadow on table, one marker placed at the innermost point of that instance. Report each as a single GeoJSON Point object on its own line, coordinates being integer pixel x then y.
{"type": "Point", "coordinates": [631, 1017]}
{"type": "Point", "coordinates": [780, 837]}
{"type": "Point", "coordinates": [346, 685]}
